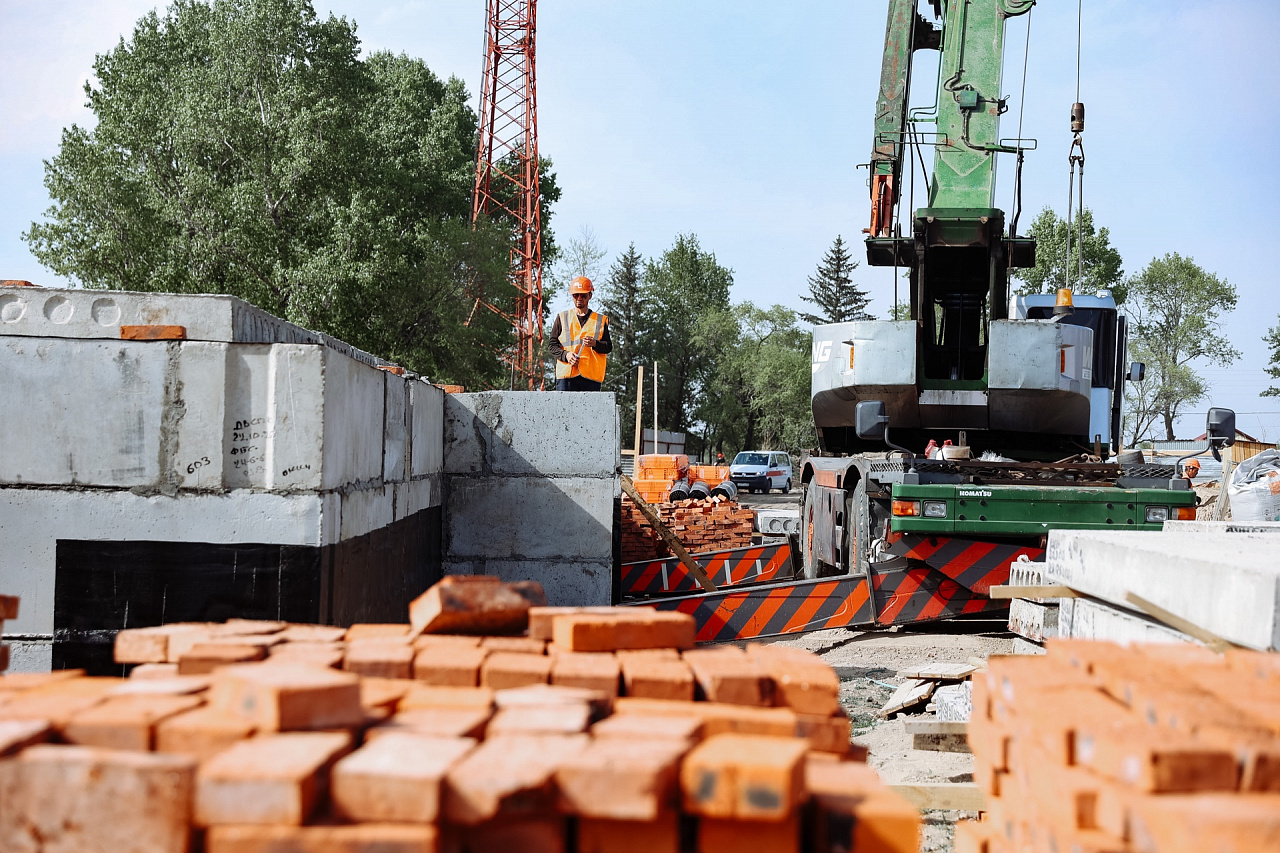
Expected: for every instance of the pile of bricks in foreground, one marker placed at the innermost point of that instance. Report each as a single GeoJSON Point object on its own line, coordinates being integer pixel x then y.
{"type": "Point", "coordinates": [713, 524]}
{"type": "Point", "coordinates": [1096, 748]}
{"type": "Point", "coordinates": [8, 610]}
{"type": "Point", "coordinates": [547, 729]}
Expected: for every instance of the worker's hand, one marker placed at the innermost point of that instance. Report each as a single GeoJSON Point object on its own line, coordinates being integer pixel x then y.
{"type": "Point", "coordinates": [573, 357]}
{"type": "Point", "coordinates": [589, 341]}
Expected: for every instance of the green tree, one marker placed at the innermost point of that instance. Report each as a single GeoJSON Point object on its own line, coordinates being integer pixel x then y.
{"type": "Point", "coordinates": [680, 288]}
{"type": "Point", "coordinates": [1175, 308]}
{"type": "Point", "coordinates": [244, 147]}
{"type": "Point", "coordinates": [1272, 340]}
{"type": "Point", "coordinates": [832, 289]}
{"type": "Point", "coordinates": [1102, 263]}
{"type": "Point", "coordinates": [621, 299]}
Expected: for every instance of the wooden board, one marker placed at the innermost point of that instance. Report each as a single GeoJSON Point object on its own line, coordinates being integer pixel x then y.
{"type": "Point", "coordinates": [1046, 591]}
{"type": "Point", "coordinates": [908, 695]}
{"type": "Point", "coordinates": [940, 671]}
{"type": "Point", "coordinates": [941, 743]}
{"type": "Point", "coordinates": [957, 796]}
{"type": "Point", "coordinates": [935, 727]}
{"type": "Point", "coordinates": [667, 536]}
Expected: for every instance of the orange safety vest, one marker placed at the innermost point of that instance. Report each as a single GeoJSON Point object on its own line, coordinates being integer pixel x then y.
{"type": "Point", "coordinates": [591, 363]}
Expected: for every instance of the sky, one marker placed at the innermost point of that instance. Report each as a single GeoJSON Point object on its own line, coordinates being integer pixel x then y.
{"type": "Point", "coordinates": [744, 122]}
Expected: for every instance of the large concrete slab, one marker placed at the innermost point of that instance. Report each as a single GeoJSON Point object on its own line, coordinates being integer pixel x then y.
{"type": "Point", "coordinates": [1226, 583]}
{"type": "Point", "coordinates": [1199, 526]}
{"type": "Point", "coordinates": [1085, 619]}
{"type": "Point", "coordinates": [540, 434]}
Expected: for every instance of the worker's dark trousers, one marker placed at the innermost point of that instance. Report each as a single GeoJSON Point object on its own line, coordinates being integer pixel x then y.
{"type": "Point", "coordinates": [577, 383]}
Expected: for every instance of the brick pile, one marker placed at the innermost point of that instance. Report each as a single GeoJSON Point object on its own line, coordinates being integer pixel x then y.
{"type": "Point", "coordinates": [656, 473]}
{"type": "Point", "coordinates": [713, 524]}
{"type": "Point", "coordinates": [712, 475]}
{"type": "Point", "coordinates": [485, 724]}
{"type": "Point", "coordinates": [1150, 749]}
{"type": "Point", "coordinates": [8, 610]}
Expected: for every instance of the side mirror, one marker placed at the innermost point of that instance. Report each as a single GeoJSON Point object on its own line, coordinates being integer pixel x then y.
{"type": "Point", "coordinates": [870, 420]}
{"type": "Point", "coordinates": [1220, 429]}
{"type": "Point", "coordinates": [1137, 371]}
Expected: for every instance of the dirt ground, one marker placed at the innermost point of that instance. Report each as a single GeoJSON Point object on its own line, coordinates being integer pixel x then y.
{"type": "Point", "coordinates": [868, 663]}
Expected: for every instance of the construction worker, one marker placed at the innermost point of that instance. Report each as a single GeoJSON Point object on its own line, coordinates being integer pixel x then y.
{"type": "Point", "coordinates": [1191, 469]}
{"type": "Point", "coordinates": [580, 341]}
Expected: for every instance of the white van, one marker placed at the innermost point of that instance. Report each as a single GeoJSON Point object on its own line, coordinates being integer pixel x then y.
{"type": "Point", "coordinates": [761, 470]}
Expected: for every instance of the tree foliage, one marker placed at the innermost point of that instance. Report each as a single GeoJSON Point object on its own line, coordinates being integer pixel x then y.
{"type": "Point", "coordinates": [244, 147]}
{"type": "Point", "coordinates": [622, 300]}
{"type": "Point", "coordinates": [1272, 340]}
{"type": "Point", "coordinates": [832, 289]}
{"type": "Point", "coordinates": [1102, 263]}
{"type": "Point", "coordinates": [1174, 310]}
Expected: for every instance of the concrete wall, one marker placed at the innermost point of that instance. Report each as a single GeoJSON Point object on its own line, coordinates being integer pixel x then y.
{"type": "Point", "coordinates": [299, 460]}
{"type": "Point", "coordinates": [531, 481]}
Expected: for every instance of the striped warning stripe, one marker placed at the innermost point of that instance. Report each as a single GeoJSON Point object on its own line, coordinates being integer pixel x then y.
{"type": "Point", "coordinates": [765, 611]}
{"type": "Point", "coordinates": [732, 567]}
{"type": "Point", "coordinates": [909, 593]}
{"type": "Point", "coordinates": [973, 564]}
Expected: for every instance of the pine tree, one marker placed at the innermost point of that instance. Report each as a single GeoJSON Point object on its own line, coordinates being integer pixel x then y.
{"type": "Point", "coordinates": [620, 300]}
{"type": "Point", "coordinates": [833, 290]}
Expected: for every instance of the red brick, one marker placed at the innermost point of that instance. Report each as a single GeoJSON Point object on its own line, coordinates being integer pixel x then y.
{"type": "Point", "coordinates": [730, 677]}
{"type": "Point", "coordinates": [718, 835]}
{"type": "Point", "coordinates": [1156, 761]}
{"type": "Point", "coordinates": [122, 801]}
{"type": "Point", "coordinates": [288, 697]}
{"type": "Point", "coordinates": [272, 779]}
{"type": "Point", "coordinates": [656, 678]}
{"type": "Point", "coordinates": [316, 654]}
{"type": "Point", "coordinates": [825, 734]}
{"type": "Point", "coordinates": [542, 619]}
{"type": "Point", "coordinates": [544, 835]}
{"type": "Point", "coordinates": [718, 718]}
{"type": "Point", "coordinates": [1202, 822]}
{"type": "Point", "coordinates": [802, 680]}
{"type": "Point", "coordinates": [445, 666]}
{"type": "Point", "coordinates": [8, 607]}
{"type": "Point", "coordinates": [175, 685]}
{"type": "Point", "coordinates": [236, 627]}
{"type": "Point", "coordinates": [15, 682]}
{"type": "Point", "coordinates": [362, 838]}
{"type": "Point", "coordinates": [153, 332]}
{"type": "Point", "coordinates": [396, 778]}
{"type": "Point", "coordinates": [541, 720]}
{"type": "Point", "coordinates": [592, 670]}
{"type": "Point", "coordinates": [17, 735]}
{"type": "Point", "coordinates": [206, 657]}
{"type": "Point", "coordinates": [147, 671]}
{"type": "Point", "coordinates": [423, 641]}
{"type": "Point", "coordinates": [600, 835]}
{"type": "Point", "coordinates": [425, 696]}
{"type": "Point", "coordinates": [455, 722]}
{"type": "Point", "coordinates": [383, 694]}
{"type": "Point", "coordinates": [125, 722]}
{"type": "Point", "coordinates": [523, 645]}
{"type": "Point", "coordinates": [151, 645]}
{"type": "Point", "coordinates": [629, 628]}
{"type": "Point", "coordinates": [626, 655]}
{"type": "Point", "coordinates": [972, 836]}
{"type": "Point", "coordinates": [744, 776]}
{"type": "Point", "coordinates": [379, 658]}
{"type": "Point", "coordinates": [4, 653]}
{"type": "Point", "coordinates": [313, 634]}
{"type": "Point", "coordinates": [376, 631]}
{"type": "Point", "coordinates": [687, 730]}
{"type": "Point", "coordinates": [622, 779]}
{"type": "Point", "coordinates": [201, 732]}
{"type": "Point", "coordinates": [57, 701]}
{"type": "Point", "coordinates": [511, 776]}
{"type": "Point", "coordinates": [512, 669]}
{"type": "Point", "coordinates": [464, 604]}
{"type": "Point", "coordinates": [853, 810]}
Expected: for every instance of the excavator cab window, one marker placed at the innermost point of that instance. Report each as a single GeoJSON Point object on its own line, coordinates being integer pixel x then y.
{"type": "Point", "coordinates": [955, 340]}
{"type": "Point", "coordinates": [1103, 323]}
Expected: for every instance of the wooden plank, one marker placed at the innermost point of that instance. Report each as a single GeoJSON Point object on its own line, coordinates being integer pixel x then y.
{"type": "Point", "coordinates": [1046, 591]}
{"type": "Point", "coordinates": [935, 727]}
{"type": "Point", "coordinates": [941, 743]}
{"type": "Point", "coordinates": [667, 536]}
{"type": "Point", "coordinates": [1173, 620]}
{"type": "Point", "coordinates": [940, 671]}
{"type": "Point", "coordinates": [908, 695]}
{"type": "Point", "coordinates": [952, 796]}
{"type": "Point", "coordinates": [980, 664]}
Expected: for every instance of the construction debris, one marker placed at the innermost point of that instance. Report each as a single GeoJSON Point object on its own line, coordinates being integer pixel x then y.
{"type": "Point", "coordinates": [1151, 748]}
{"type": "Point", "coordinates": [597, 734]}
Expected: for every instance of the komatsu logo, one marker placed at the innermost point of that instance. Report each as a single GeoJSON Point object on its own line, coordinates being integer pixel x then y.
{"type": "Point", "coordinates": [977, 493]}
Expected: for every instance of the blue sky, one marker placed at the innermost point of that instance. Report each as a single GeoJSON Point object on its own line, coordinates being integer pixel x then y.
{"type": "Point", "coordinates": [743, 122]}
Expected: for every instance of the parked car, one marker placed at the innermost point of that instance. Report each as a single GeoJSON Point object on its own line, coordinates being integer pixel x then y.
{"type": "Point", "coordinates": [761, 470]}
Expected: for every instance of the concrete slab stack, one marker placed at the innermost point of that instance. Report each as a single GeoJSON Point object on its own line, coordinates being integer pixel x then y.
{"type": "Point", "coordinates": [533, 491]}
{"type": "Point", "coordinates": [250, 468]}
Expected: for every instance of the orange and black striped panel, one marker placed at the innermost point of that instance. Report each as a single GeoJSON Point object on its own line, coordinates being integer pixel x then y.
{"type": "Point", "coordinates": [787, 608]}
{"type": "Point", "coordinates": [921, 594]}
{"type": "Point", "coordinates": [973, 564]}
{"type": "Point", "coordinates": [733, 567]}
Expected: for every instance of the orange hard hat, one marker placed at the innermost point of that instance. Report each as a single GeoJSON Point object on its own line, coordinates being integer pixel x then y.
{"type": "Point", "coordinates": [581, 284]}
{"type": "Point", "coordinates": [1193, 464]}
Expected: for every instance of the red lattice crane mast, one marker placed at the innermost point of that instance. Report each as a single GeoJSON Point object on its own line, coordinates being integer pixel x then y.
{"type": "Point", "coordinates": [507, 172]}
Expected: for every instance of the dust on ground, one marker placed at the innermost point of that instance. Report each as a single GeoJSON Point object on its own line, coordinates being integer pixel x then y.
{"type": "Point", "coordinates": [868, 663]}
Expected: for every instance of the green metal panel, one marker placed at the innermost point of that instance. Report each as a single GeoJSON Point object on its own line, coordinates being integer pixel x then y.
{"type": "Point", "coordinates": [964, 171]}
{"type": "Point", "coordinates": [1035, 510]}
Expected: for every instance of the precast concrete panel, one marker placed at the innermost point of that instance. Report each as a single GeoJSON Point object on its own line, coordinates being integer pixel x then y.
{"type": "Point", "coordinates": [354, 401]}
{"type": "Point", "coordinates": [530, 432]}
{"type": "Point", "coordinates": [514, 518]}
{"type": "Point", "coordinates": [193, 421]}
{"type": "Point", "coordinates": [395, 440]}
{"type": "Point", "coordinates": [427, 421]}
{"type": "Point", "coordinates": [366, 510]}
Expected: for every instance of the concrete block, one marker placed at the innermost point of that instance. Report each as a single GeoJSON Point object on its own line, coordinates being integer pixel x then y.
{"type": "Point", "coordinates": [417, 495]}
{"type": "Point", "coordinates": [353, 422]}
{"type": "Point", "coordinates": [273, 425]}
{"type": "Point", "coordinates": [396, 429]}
{"type": "Point", "coordinates": [1033, 620]}
{"type": "Point", "coordinates": [531, 433]}
{"type": "Point", "coordinates": [1083, 619]}
{"type": "Point", "coordinates": [568, 519]}
{"type": "Point", "coordinates": [366, 510]}
{"type": "Point", "coordinates": [567, 583]}
{"type": "Point", "coordinates": [427, 420]}
{"type": "Point", "coordinates": [1228, 584]}
{"type": "Point", "coordinates": [1206, 526]}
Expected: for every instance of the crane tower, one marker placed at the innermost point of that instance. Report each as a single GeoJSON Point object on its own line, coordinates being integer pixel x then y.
{"type": "Point", "coordinates": [506, 185]}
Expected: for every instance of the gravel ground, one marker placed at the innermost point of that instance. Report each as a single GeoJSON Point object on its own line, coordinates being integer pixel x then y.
{"type": "Point", "coordinates": [868, 663]}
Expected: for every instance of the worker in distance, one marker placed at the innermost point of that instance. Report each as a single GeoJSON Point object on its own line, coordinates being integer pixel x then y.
{"type": "Point", "coordinates": [580, 341]}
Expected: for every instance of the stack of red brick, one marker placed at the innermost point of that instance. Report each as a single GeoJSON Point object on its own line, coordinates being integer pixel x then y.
{"type": "Point", "coordinates": [656, 473]}
{"type": "Point", "coordinates": [8, 610]}
{"type": "Point", "coordinates": [598, 730]}
{"type": "Point", "coordinates": [1151, 749]}
{"type": "Point", "coordinates": [712, 475]}
{"type": "Point", "coordinates": [714, 524]}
